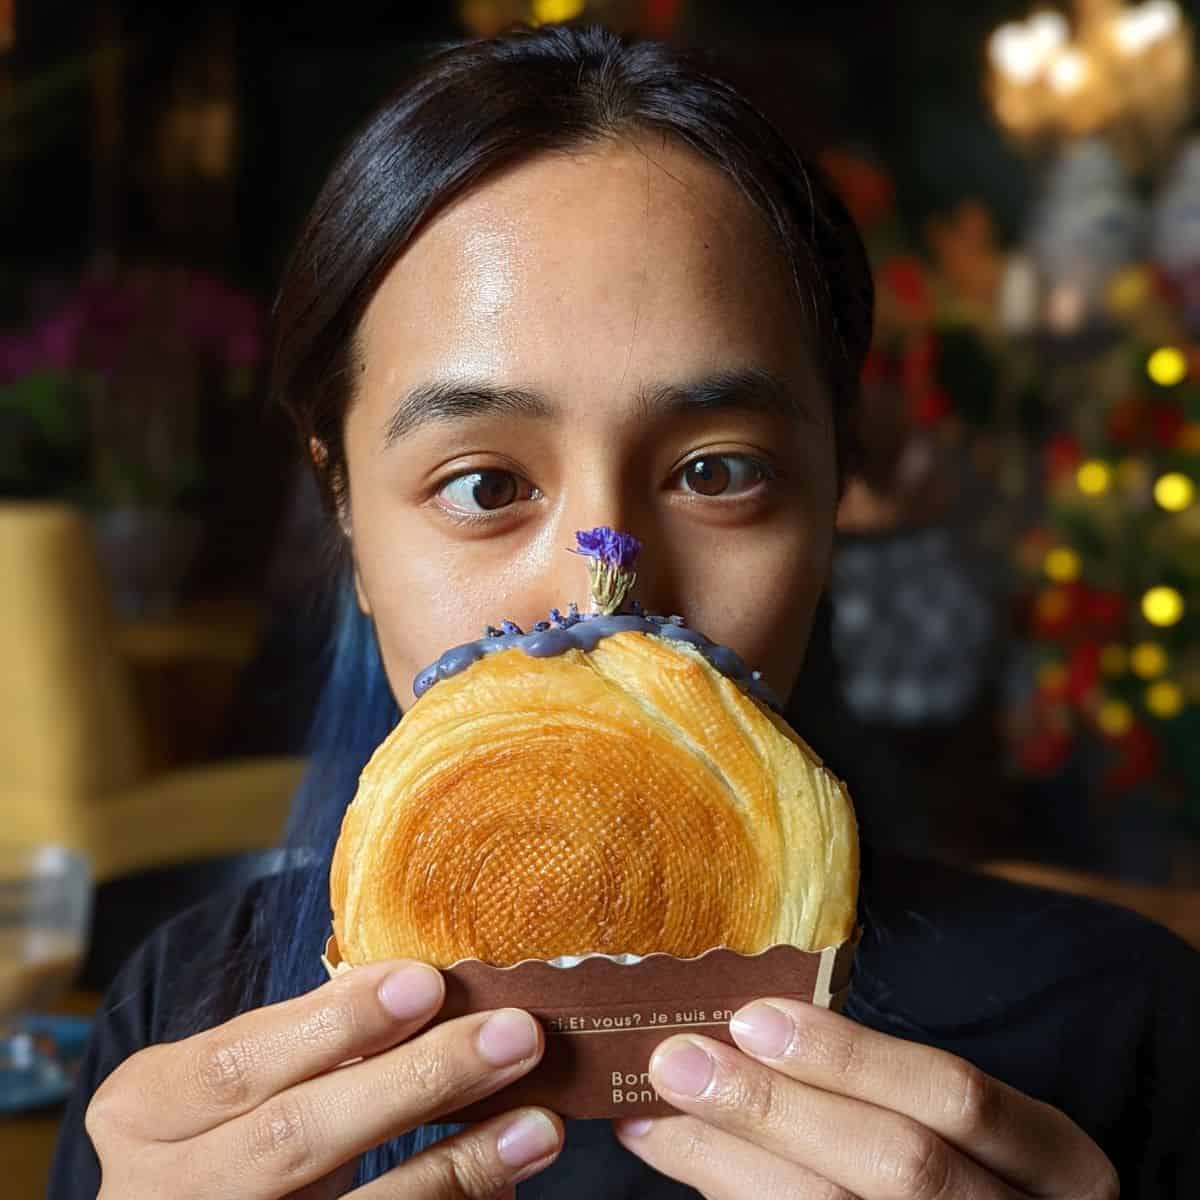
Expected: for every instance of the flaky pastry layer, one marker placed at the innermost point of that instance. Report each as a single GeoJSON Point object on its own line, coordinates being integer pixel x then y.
{"type": "Point", "coordinates": [631, 799]}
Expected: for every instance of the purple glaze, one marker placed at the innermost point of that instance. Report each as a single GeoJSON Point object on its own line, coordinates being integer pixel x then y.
{"type": "Point", "coordinates": [573, 631]}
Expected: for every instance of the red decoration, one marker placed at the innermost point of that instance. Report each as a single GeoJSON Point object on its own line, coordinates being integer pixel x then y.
{"type": "Point", "coordinates": [904, 277]}
{"type": "Point", "coordinates": [1127, 422]}
{"type": "Point", "coordinates": [1166, 421]}
{"type": "Point", "coordinates": [1137, 756]}
{"type": "Point", "coordinates": [1104, 612]}
{"type": "Point", "coordinates": [917, 364]}
{"type": "Point", "coordinates": [1083, 672]}
{"type": "Point", "coordinates": [931, 407]}
{"type": "Point", "coordinates": [1045, 753]}
{"type": "Point", "coordinates": [1063, 456]}
{"type": "Point", "coordinates": [865, 188]}
{"type": "Point", "coordinates": [661, 16]}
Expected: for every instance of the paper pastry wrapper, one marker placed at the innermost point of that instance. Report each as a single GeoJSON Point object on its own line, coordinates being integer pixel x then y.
{"type": "Point", "coordinates": [604, 1015]}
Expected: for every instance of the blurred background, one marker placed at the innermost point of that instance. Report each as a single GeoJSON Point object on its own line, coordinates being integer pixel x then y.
{"type": "Point", "coordinates": [1015, 616]}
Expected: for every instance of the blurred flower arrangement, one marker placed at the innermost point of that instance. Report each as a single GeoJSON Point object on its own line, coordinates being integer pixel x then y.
{"type": "Point", "coordinates": [103, 401]}
{"type": "Point", "coordinates": [99, 397]}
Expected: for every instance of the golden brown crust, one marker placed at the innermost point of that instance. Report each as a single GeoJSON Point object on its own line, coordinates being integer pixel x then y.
{"type": "Point", "coordinates": [627, 800]}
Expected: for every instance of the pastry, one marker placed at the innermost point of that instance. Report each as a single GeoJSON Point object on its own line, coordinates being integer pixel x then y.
{"type": "Point", "coordinates": [607, 783]}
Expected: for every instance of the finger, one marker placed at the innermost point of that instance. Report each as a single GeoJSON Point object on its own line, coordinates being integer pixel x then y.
{"type": "Point", "coordinates": [304, 1132]}
{"type": "Point", "coordinates": [196, 1085]}
{"type": "Point", "coordinates": [867, 1150]}
{"type": "Point", "coordinates": [1031, 1144]}
{"type": "Point", "coordinates": [719, 1165]}
{"type": "Point", "coordinates": [482, 1163]}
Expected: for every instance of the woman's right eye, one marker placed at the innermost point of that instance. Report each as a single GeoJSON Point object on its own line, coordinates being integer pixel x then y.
{"type": "Point", "coordinates": [485, 491]}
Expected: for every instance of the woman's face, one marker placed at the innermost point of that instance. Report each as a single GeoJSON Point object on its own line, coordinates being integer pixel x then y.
{"type": "Point", "coordinates": [609, 337]}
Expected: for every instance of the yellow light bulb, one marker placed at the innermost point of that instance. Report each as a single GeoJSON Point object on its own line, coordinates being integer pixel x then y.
{"type": "Point", "coordinates": [1063, 565]}
{"type": "Point", "coordinates": [550, 12]}
{"type": "Point", "coordinates": [1115, 718]}
{"type": "Point", "coordinates": [1174, 492]}
{"type": "Point", "coordinates": [1093, 477]}
{"type": "Point", "coordinates": [1165, 699]}
{"type": "Point", "coordinates": [1149, 660]}
{"type": "Point", "coordinates": [1113, 660]}
{"type": "Point", "coordinates": [1167, 366]}
{"type": "Point", "coordinates": [1162, 606]}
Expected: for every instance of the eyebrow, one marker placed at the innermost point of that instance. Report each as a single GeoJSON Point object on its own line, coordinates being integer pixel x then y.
{"type": "Point", "coordinates": [753, 389]}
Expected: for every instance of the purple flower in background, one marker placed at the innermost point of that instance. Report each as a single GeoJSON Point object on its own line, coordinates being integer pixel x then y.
{"type": "Point", "coordinates": [617, 550]}
{"type": "Point", "coordinates": [97, 325]}
{"type": "Point", "coordinates": [611, 555]}
{"type": "Point", "coordinates": [59, 336]}
{"type": "Point", "coordinates": [19, 355]}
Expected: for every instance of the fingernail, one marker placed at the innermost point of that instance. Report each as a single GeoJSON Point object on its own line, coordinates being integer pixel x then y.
{"type": "Point", "coordinates": [684, 1067]}
{"type": "Point", "coordinates": [410, 991]}
{"type": "Point", "coordinates": [530, 1137]}
{"type": "Point", "coordinates": [507, 1037]}
{"type": "Point", "coordinates": [763, 1029]}
{"type": "Point", "coordinates": [636, 1126]}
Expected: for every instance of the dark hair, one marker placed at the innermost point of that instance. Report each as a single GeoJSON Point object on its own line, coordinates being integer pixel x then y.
{"type": "Point", "coordinates": [471, 111]}
{"type": "Point", "coordinates": [480, 107]}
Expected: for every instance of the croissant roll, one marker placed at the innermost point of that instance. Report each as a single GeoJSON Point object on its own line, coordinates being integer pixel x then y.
{"type": "Point", "coordinates": [629, 798]}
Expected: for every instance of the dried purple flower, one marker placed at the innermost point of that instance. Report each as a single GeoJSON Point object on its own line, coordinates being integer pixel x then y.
{"type": "Point", "coordinates": [611, 555]}
{"type": "Point", "coordinates": [616, 550]}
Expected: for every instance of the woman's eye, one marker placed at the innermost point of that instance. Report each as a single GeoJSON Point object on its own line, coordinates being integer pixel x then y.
{"type": "Point", "coordinates": [720, 474]}
{"type": "Point", "coordinates": [484, 491]}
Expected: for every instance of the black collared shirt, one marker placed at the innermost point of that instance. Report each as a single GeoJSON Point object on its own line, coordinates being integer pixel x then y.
{"type": "Point", "coordinates": [1086, 1006]}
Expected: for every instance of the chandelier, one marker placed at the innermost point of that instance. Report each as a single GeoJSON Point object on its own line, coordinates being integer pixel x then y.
{"type": "Point", "coordinates": [1124, 73]}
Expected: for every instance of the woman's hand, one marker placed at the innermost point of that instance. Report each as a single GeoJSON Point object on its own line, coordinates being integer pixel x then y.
{"type": "Point", "coordinates": [819, 1106]}
{"type": "Point", "coordinates": [260, 1107]}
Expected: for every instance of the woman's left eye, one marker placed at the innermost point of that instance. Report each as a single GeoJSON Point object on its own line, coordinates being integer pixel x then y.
{"type": "Point", "coordinates": [722, 474]}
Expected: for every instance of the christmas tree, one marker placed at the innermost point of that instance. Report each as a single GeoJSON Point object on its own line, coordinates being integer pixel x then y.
{"type": "Point", "coordinates": [1113, 569]}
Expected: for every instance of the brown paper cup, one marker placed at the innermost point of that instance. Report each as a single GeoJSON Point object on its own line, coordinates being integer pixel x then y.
{"type": "Point", "coordinates": [604, 1017]}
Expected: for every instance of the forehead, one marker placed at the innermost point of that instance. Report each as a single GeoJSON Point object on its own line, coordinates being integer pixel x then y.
{"type": "Point", "coordinates": [638, 256]}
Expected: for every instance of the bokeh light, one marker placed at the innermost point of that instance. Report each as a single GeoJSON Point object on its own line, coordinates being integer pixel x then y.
{"type": "Point", "coordinates": [551, 12]}
{"type": "Point", "coordinates": [1162, 606]}
{"type": "Point", "coordinates": [1167, 366]}
{"type": "Point", "coordinates": [1165, 699]}
{"type": "Point", "coordinates": [1115, 718]}
{"type": "Point", "coordinates": [1149, 660]}
{"type": "Point", "coordinates": [1094, 477]}
{"type": "Point", "coordinates": [1063, 564]}
{"type": "Point", "coordinates": [1174, 492]}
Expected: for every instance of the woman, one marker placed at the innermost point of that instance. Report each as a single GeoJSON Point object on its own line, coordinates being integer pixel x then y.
{"type": "Point", "coordinates": [559, 282]}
